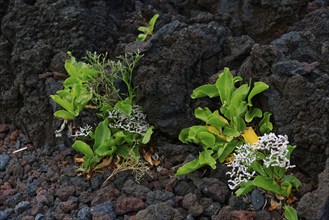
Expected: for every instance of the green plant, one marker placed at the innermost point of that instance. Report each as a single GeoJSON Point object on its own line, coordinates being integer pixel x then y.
{"type": "Point", "coordinates": [123, 128]}
{"type": "Point", "coordinates": [223, 129]}
{"type": "Point", "coordinates": [76, 94]}
{"type": "Point", "coordinates": [147, 30]}
{"type": "Point", "coordinates": [228, 136]}
{"type": "Point", "coordinates": [105, 92]}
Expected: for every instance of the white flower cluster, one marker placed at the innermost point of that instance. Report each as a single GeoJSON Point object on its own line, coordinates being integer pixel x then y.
{"type": "Point", "coordinates": [84, 132]}
{"type": "Point", "coordinates": [244, 156]}
{"type": "Point", "coordinates": [276, 149]}
{"type": "Point", "coordinates": [135, 123]}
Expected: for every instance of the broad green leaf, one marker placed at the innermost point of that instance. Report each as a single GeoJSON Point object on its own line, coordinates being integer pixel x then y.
{"type": "Point", "coordinates": [82, 101]}
{"type": "Point", "coordinates": [69, 82]}
{"type": "Point", "coordinates": [245, 188]}
{"type": "Point", "coordinates": [184, 135]}
{"type": "Point", "coordinates": [102, 134]}
{"type": "Point", "coordinates": [76, 90]}
{"type": "Point", "coordinates": [278, 172]}
{"type": "Point", "coordinates": [207, 139]}
{"type": "Point", "coordinates": [267, 183]}
{"type": "Point", "coordinates": [124, 106]}
{"type": "Point", "coordinates": [239, 95]}
{"type": "Point", "coordinates": [293, 180]}
{"type": "Point", "coordinates": [190, 135]}
{"type": "Point", "coordinates": [217, 121]}
{"type": "Point", "coordinates": [189, 167]}
{"type": "Point", "coordinates": [239, 124]}
{"type": "Point", "coordinates": [84, 148]}
{"type": "Point", "coordinates": [255, 112]}
{"type": "Point", "coordinates": [122, 151]}
{"type": "Point", "coordinates": [64, 115]}
{"type": "Point", "coordinates": [258, 168]}
{"type": "Point", "coordinates": [147, 135]}
{"type": "Point", "coordinates": [71, 68]}
{"type": "Point", "coordinates": [202, 114]}
{"type": "Point", "coordinates": [231, 132]}
{"type": "Point", "coordinates": [265, 126]}
{"type": "Point", "coordinates": [63, 102]}
{"type": "Point", "coordinates": [107, 148]}
{"type": "Point", "coordinates": [209, 90]}
{"type": "Point", "coordinates": [290, 213]}
{"type": "Point", "coordinates": [205, 158]}
{"type": "Point", "coordinates": [258, 88]}
{"type": "Point", "coordinates": [286, 188]}
{"type": "Point", "coordinates": [226, 150]}
{"type": "Point", "coordinates": [225, 86]}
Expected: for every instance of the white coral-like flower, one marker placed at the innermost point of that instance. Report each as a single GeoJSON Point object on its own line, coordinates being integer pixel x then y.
{"type": "Point", "coordinates": [83, 131]}
{"type": "Point", "coordinates": [135, 123]}
{"type": "Point", "coordinates": [276, 153]}
{"type": "Point", "coordinates": [277, 148]}
{"type": "Point", "coordinates": [244, 156]}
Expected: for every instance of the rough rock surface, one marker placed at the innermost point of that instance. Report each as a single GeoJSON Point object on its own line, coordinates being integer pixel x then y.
{"type": "Point", "coordinates": [284, 43]}
{"type": "Point", "coordinates": [181, 56]}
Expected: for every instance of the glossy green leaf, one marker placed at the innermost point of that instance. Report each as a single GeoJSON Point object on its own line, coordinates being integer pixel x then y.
{"type": "Point", "coordinates": [265, 126]}
{"type": "Point", "coordinates": [102, 134]}
{"type": "Point", "coordinates": [64, 115]}
{"type": "Point", "coordinates": [147, 135]}
{"type": "Point", "coordinates": [63, 102]}
{"type": "Point", "coordinates": [295, 182]}
{"type": "Point", "coordinates": [255, 112]}
{"type": "Point", "coordinates": [71, 68]}
{"type": "Point", "coordinates": [239, 124]}
{"type": "Point", "coordinates": [141, 37]}
{"type": "Point", "coordinates": [290, 213]}
{"type": "Point", "coordinates": [206, 138]}
{"type": "Point", "coordinates": [153, 21]}
{"type": "Point", "coordinates": [142, 29]}
{"type": "Point", "coordinates": [209, 90]}
{"type": "Point", "coordinates": [107, 148]}
{"type": "Point", "coordinates": [256, 166]}
{"type": "Point", "coordinates": [225, 86]}
{"type": "Point", "coordinates": [124, 106]}
{"type": "Point", "coordinates": [84, 148]}
{"type": "Point", "coordinates": [239, 95]}
{"type": "Point", "coordinates": [258, 88]}
{"type": "Point", "coordinates": [190, 135]}
{"type": "Point", "coordinates": [216, 121]}
{"type": "Point", "coordinates": [202, 114]}
{"type": "Point", "coordinates": [278, 172]}
{"type": "Point", "coordinates": [189, 167]}
{"type": "Point", "coordinates": [245, 188]}
{"type": "Point", "coordinates": [69, 82]}
{"type": "Point", "coordinates": [205, 158]}
{"type": "Point", "coordinates": [267, 183]}
{"type": "Point", "coordinates": [230, 132]}
{"type": "Point", "coordinates": [225, 150]}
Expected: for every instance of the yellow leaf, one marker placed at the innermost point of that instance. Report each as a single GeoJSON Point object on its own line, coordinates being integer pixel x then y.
{"type": "Point", "coordinates": [216, 132]}
{"type": "Point", "coordinates": [250, 136]}
{"type": "Point", "coordinates": [212, 130]}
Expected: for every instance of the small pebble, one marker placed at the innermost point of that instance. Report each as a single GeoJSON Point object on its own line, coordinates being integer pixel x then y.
{"type": "Point", "coordinates": [22, 206]}
{"type": "Point", "coordinates": [257, 199]}
{"type": "Point", "coordinates": [4, 160]}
